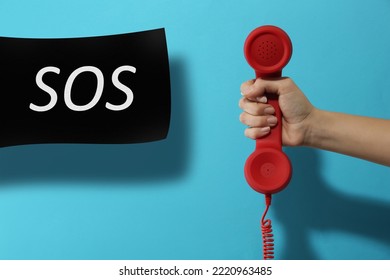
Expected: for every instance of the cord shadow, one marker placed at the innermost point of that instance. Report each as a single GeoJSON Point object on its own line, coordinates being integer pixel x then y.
{"type": "Point", "coordinates": [309, 203]}
{"type": "Point", "coordinates": [155, 161]}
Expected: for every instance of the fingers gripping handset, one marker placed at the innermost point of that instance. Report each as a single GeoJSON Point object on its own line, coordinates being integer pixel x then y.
{"type": "Point", "coordinates": [268, 170]}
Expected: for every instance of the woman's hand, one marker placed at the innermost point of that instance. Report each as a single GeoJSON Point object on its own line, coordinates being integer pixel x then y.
{"type": "Point", "coordinates": [259, 115]}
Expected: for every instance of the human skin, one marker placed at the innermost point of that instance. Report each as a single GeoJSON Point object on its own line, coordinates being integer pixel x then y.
{"type": "Point", "coordinates": [305, 125]}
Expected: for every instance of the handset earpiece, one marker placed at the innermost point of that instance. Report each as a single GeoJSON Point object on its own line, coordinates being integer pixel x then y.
{"type": "Point", "coordinates": [268, 170]}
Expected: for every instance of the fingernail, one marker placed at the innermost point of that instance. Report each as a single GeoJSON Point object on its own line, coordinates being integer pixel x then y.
{"type": "Point", "coordinates": [262, 99]}
{"type": "Point", "coordinates": [269, 111]}
{"type": "Point", "coordinates": [272, 120]}
{"type": "Point", "coordinates": [265, 129]}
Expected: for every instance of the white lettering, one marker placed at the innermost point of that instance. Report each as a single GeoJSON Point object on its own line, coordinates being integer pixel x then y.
{"type": "Point", "coordinates": [122, 87]}
{"type": "Point", "coordinates": [46, 88]}
{"type": "Point", "coordinates": [98, 93]}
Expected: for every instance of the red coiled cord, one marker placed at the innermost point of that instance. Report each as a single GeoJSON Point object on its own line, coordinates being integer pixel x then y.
{"type": "Point", "coordinates": [266, 230]}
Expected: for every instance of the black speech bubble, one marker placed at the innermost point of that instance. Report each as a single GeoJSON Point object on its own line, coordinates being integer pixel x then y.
{"type": "Point", "coordinates": [146, 119]}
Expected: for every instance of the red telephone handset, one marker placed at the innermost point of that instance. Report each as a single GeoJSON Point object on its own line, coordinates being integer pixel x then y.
{"type": "Point", "coordinates": [268, 170]}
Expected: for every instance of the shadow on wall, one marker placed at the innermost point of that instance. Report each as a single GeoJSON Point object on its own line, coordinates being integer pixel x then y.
{"type": "Point", "coordinates": [154, 161]}
{"type": "Point", "coordinates": [310, 204]}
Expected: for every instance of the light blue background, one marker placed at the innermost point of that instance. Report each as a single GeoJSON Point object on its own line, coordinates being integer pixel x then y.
{"type": "Point", "coordinates": [186, 197]}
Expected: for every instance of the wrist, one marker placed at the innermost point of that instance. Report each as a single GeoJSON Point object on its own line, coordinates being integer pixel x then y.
{"type": "Point", "coordinates": [313, 128]}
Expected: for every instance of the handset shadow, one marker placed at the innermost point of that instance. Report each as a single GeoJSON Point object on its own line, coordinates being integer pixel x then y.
{"type": "Point", "coordinates": [309, 203]}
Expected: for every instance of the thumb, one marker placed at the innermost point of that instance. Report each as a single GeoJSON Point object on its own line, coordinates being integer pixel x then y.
{"type": "Point", "coordinates": [256, 89]}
